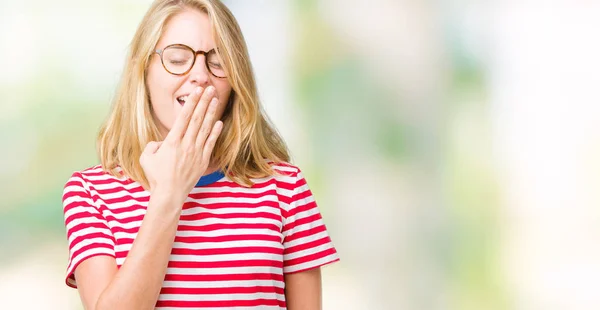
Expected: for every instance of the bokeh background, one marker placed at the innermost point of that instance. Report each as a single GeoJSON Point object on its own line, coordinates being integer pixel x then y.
{"type": "Point", "coordinates": [452, 145]}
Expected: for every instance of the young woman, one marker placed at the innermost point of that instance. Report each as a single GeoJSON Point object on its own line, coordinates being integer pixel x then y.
{"type": "Point", "coordinates": [195, 204]}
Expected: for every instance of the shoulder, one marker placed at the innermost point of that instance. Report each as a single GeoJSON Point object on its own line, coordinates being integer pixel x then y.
{"type": "Point", "coordinates": [285, 169]}
{"type": "Point", "coordinates": [288, 176]}
{"type": "Point", "coordinates": [91, 176]}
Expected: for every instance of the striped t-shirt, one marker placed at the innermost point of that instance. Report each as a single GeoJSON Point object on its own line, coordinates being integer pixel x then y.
{"type": "Point", "coordinates": [233, 244]}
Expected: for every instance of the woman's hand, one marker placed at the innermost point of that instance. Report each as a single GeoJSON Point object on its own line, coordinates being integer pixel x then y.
{"type": "Point", "coordinates": [175, 164]}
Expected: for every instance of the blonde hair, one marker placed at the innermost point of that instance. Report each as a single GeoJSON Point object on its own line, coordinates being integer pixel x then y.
{"type": "Point", "coordinates": [248, 141]}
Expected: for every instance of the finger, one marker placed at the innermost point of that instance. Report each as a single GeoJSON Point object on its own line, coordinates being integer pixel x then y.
{"type": "Point", "coordinates": [207, 124]}
{"type": "Point", "coordinates": [152, 147]}
{"type": "Point", "coordinates": [181, 123]}
{"type": "Point", "coordinates": [197, 119]}
{"type": "Point", "coordinates": [157, 147]}
{"type": "Point", "coordinates": [211, 141]}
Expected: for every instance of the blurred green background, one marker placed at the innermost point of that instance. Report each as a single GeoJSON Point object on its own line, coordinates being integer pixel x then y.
{"type": "Point", "coordinates": [451, 145]}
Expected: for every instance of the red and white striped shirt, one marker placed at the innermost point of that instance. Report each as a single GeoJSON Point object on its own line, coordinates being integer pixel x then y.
{"type": "Point", "coordinates": [233, 244]}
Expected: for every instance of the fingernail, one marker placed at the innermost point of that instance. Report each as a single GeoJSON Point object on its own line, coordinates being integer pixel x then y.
{"type": "Point", "coordinates": [198, 90]}
{"type": "Point", "coordinates": [210, 90]}
{"type": "Point", "coordinates": [214, 101]}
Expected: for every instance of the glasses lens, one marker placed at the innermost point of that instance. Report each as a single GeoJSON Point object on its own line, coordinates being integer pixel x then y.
{"type": "Point", "coordinates": [214, 64]}
{"type": "Point", "coordinates": [178, 59]}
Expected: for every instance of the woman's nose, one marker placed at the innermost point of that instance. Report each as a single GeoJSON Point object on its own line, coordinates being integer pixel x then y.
{"type": "Point", "coordinates": [199, 74]}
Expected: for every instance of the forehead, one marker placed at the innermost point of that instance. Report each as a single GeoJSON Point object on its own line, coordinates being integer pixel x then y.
{"type": "Point", "coordinates": [190, 27]}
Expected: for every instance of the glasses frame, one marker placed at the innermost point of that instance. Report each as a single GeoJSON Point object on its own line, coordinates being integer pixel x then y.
{"type": "Point", "coordinates": [196, 53]}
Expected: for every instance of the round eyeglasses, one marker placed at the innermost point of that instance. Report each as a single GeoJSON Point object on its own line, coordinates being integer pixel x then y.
{"type": "Point", "coordinates": [178, 59]}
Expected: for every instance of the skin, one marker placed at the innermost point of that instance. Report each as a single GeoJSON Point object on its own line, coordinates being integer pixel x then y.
{"type": "Point", "coordinates": [193, 29]}
{"type": "Point", "coordinates": [190, 132]}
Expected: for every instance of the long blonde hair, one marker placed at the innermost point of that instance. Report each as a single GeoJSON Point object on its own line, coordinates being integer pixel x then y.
{"type": "Point", "coordinates": [248, 141]}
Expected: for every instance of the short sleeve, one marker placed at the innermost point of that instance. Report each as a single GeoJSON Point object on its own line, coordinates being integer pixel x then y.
{"type": "Point", "coordinates": [306, 242]}
{"type": "Point", "coordinates": [88, 232]}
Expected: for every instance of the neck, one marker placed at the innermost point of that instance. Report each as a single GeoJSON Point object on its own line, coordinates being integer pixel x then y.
{"type": "Point", "coordinates": [212, 167]}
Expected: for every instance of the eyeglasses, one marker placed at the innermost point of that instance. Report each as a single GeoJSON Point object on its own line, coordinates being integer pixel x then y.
{"type": "Point", "coordinates": [178, 59]}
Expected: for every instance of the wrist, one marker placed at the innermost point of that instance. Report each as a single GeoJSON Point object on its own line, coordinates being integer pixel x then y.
{"type": "Point", "coordinates": [165, 195]}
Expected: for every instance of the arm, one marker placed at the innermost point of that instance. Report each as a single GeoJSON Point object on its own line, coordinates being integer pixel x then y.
{"type": "Point", "coordinates": [303, 290]}
{"type": "Point", "coordinates": [137, 284]}
{"type": "Point", "coordinates": [306, 243]}
{"type": "Point", "coordinates": [172, 168]}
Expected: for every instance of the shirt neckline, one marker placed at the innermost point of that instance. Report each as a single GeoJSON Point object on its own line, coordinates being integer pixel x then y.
{"type": "Point", "coordinates": [210, 178]}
